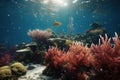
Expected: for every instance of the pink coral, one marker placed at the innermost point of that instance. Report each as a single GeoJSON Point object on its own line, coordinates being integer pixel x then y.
{"type": "Point", "coordinates": [38, 34]}
{"type": "Point", "coordinates": [55, 57]}
{"type": "Point", "coordinates": [71, 62]}
{"type": "Point", "coordinates": [107, 58]}
{"type": "Point", "coordinates": [100, 62]}
{"type": "Point", "coordinates": [77, 57]}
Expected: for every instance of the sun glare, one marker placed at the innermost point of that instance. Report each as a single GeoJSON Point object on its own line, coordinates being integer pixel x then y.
{"type": "Point", "coordinates": [58, 3]}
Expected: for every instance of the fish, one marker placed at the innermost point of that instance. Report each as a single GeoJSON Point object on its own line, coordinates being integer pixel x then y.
{"type": "Point", "coordinates": [57, 24]}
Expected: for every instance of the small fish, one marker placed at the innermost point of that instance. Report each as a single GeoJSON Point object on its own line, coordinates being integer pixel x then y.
{"type": "Point", "coordinates": [57, 24]}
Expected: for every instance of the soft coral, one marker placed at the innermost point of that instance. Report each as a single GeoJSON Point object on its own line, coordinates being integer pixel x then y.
{"type": "Point", "coordinates": [71, 63]}
{"type": "Point", "coordinates": [78, 61]}
{"type": "Point", "coordinates": [107, 58]}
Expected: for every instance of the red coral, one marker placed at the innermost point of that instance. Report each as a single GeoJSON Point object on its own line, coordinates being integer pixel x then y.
{"type": "Point", "coordinates": [54, 56]}
{"type": "Point", "coordinates": [4, 60]}
{"type": "Point", "coordinates": [102, 59]}
{"type": "Point", "coordinates": [79, 60]}
{"type": "Point", "coordinates": [71, 63]}
{"type": "Point", "coordinates": [107, 58]}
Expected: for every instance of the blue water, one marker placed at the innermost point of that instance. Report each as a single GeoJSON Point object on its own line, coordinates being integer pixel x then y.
{"type": "Point", "coordinates": [18, 16]}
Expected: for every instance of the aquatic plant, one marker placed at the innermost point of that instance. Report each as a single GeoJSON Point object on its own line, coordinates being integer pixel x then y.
{"type": "Point", "coordinates": [38, 35]}
{"type": "Point", "coordinates": [107, 58]}
{"type": "Point", "coordinates": [5, 59]}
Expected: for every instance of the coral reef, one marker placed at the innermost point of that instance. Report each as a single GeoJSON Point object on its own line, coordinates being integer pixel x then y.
{"type": "Point", "coordinates": [69, 60]}
{"type": "Point", "coordinates": [98, 62]}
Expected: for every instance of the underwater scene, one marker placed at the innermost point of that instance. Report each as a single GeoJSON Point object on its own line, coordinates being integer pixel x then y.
{"type": "Point", "coordinates": [60, 40]}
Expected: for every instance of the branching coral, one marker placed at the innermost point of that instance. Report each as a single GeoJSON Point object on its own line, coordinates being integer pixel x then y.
{"type": "Point", "coordinates": [107, 58]}
{"type": "Point", "coordinates": [38, 34]}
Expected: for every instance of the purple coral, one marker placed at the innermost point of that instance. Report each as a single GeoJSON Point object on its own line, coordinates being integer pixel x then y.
{"type": "Point", "coordinates": [38, 34]}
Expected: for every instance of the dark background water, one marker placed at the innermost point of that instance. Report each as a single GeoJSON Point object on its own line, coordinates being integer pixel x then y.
{"type": "Point", "coordinates": [18, 16]}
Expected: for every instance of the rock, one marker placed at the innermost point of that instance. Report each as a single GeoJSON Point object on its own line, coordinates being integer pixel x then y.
{"type": "Point", "coordinates": [30, 67]}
